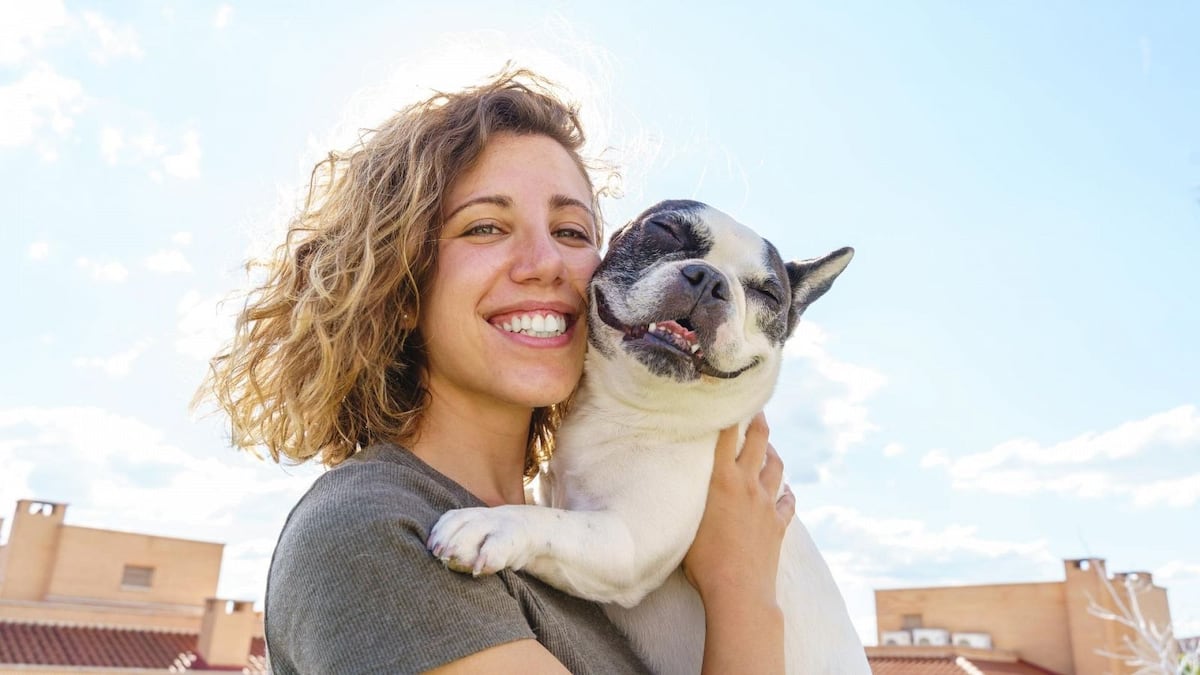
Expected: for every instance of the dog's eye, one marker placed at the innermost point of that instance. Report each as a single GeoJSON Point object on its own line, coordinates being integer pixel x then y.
{"type": "Point", "coordinates": [667, 227]}
{"type": "Point", "coordinates": [769, 292]}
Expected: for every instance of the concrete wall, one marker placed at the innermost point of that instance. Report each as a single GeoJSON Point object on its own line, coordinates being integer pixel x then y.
{"type": "Point", "coordinates": [1049, 624]}
{"type": "Point", "coordinates": [103, 615]}
{"type": "Point", "coordinates": [55, 572]}
{"type": "Point", "coordinates": [10, 669]}
{"type": "Point", "coordinates": [1028, 618]}
{"type": "Point", "coordinates": [1089, 586]}
{"type": "Point", "coordinates": [90, 564]}
{"type": "Point", "coordinates": [31, 550]}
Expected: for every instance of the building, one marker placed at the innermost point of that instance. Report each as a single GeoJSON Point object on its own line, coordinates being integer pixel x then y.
{"type": "Point", "coordinates": [1052, 625]}
{"type": "Point", "coordinates": [948, 661]}
{"type": "Point", "coordinates": [109, 601]}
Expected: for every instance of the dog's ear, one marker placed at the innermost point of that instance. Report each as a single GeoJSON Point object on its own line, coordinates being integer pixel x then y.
{"type": "Point", "coordinates": [811, 278]}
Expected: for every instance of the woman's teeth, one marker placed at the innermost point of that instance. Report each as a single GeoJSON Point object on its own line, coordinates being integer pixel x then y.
{"type": "Point", "coordinates": [537, 325]}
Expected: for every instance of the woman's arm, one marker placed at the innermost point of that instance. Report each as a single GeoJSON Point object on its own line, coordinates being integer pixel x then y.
{"type": "Point", "coordinates": [734, 559]}
{"type": "Point", "coordinates": [522, 656]}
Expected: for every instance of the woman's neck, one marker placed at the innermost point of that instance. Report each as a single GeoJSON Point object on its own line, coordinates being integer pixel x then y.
{"type": "Point", "coordinates": [482, 448]}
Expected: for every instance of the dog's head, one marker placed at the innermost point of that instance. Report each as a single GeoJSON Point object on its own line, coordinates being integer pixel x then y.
{"type": "Point", "coordinates": [687, 295]}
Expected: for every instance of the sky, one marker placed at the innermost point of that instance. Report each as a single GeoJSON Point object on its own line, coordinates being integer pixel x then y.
{"type": "Point", "coordinates": [1006, 376]}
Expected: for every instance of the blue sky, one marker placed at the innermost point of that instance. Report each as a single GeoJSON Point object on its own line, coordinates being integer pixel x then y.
{"type": "Point", "coordinates": [1005, 376]}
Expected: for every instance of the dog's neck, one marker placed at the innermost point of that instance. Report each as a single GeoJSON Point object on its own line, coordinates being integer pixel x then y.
{"type": "Point", "coordinates": [651, 405]}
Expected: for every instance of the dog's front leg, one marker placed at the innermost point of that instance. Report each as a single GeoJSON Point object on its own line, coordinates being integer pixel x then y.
{"type": "Point", "coordinates": [589, 554]}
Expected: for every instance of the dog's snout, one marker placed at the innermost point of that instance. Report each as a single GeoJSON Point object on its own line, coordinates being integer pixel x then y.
{"type": "Point", "coordinates": [706, 280]}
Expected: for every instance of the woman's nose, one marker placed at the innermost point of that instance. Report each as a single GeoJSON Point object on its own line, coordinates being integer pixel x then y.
{"type": "Point", "coordinates": [538, 257]}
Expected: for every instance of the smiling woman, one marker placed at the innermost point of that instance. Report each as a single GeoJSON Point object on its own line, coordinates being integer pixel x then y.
{"type": "Point", "coordinates": [420, 331]}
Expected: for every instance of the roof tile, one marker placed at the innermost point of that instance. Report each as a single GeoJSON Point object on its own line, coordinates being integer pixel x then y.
{"type": "Point", "coordinates": [45, 644]}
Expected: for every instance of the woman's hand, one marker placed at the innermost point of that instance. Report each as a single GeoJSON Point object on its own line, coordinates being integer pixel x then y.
{"type": "Point", "coordinates": [735, 557]}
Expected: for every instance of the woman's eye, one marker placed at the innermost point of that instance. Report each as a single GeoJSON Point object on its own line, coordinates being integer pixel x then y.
{"type": "Point", "coordinates": [482, 228]}
{"type": "Point", "coordinates": [573, 233]}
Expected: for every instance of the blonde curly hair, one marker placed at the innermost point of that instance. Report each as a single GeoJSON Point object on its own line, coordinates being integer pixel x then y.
{"type": "Point", "coordinates": [325, 357]}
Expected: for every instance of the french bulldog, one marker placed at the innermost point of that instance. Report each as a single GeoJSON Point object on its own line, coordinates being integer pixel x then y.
{"type": "Point", "coordinates": [688, 314]}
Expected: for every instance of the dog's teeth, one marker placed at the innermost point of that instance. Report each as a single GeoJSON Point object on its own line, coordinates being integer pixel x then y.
{"type": "Point", "coordinates": [695, 348]}
{"type": "Point", "coordinates": [651, 327]}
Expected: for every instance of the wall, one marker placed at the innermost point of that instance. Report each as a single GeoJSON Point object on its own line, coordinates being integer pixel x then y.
{"type": "Point", "coordinates": [1027, 618]}
{"type": "Point", "coordinates": [90, 564]}
{"type": "Point", "coordinates": [31, 549]}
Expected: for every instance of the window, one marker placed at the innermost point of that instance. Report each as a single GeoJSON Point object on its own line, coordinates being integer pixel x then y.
{"type": "Point", "coordinates": [910, 621]}
{"type": "Point", "coordinates": [135, 577]}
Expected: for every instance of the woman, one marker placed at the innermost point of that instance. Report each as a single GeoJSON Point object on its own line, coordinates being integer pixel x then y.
{"type": "Point", "coordinates": [388, 343]}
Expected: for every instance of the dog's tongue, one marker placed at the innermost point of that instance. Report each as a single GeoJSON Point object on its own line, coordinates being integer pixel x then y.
{"type": "Point", "coordinates": [679, 330]}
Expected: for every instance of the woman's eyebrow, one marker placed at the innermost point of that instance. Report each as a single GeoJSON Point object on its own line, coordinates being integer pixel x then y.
{"type": "Point", "coordinates": [563, 201]}
{"type": "Point", "coordinates": [498, 200]}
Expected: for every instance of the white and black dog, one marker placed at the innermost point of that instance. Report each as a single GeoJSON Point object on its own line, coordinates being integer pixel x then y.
{"type": "Point", "coordinates": [689, 311]}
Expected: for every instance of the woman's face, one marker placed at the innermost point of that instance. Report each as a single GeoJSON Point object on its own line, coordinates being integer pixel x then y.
{"type": "Point", "coordinates": [504, 319]}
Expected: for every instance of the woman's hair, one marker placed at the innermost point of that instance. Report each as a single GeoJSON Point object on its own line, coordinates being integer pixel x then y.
{"type": "Point", "coordinates": [325, 358]}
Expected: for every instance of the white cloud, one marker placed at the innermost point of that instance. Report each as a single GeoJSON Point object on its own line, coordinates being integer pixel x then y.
{"type": "Point", "coordinates": [1116, 462]}
{"type": "Point", "coordinates": [14, 480]}
{"type": "Point", "coordinates": [122, 147]}
{"type": "Point", "coordinates": [913, 539]}
{"type": "Point", "coordinates": [865, 553]}
{"type": "Point", "coordinates": [205, 323]}
{"type": "Point", "coordinates": [112, 141]}
{"type": "Point", "coordinates": [116, 365]}
{"type": "Point", "coordinates": [186, 163]}
{"type": "Point", "coordinates": [182, 238]}
{"type": "Point", "coordinates": [38, 250]}
{"type": "Point", "coordinates": [25, 27]}
{"type": "Point", "coordinates": [42, 100]}
{"type": "Point", "coordinates": [1177, 570]}
{"type": "Point", "coordinates": [1176, 492]}
{"type": "Point", "coordinates": [110, 271]}
{"type": "Point", "coordinates": [147, 145]}
{"type": "Point", "coordinates": [221, 18]}
{"type": "Point", "coordinates": [935, 458]}
{"type": "Point", "coordinates": [114, 40]}
{"type": "Point", "coordinates": [820, 404]}
{"type": "Point", "coordinates": [118, 472]}
{"type": "Point", "coordinates": [167, 261]}
{"type": "Point", "coordinates": [893, 450]}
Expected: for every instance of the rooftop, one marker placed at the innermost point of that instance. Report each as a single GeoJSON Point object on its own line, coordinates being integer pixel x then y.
{"type": "Point", "coordinates": [49, 644]}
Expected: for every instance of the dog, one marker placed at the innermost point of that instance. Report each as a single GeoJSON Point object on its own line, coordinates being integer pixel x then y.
{"type": "Point", "coordinates": [688, 314]}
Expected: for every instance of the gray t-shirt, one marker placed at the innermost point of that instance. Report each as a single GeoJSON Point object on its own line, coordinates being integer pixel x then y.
{"type": "Point", "coordinates": [352, 588]}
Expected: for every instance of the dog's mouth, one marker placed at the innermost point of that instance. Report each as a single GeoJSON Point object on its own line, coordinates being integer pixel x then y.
{"type": "Point", "coordinates": [676, 336]}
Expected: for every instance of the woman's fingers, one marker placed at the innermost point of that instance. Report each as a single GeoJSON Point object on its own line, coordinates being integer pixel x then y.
{"type": "Point", "coordinates": [772, 471]}
{"type": "Point", "coordinates": [727, 446]}
{"type": "Point", "coordinates": [785, 506]}
{"type": "Point", "coordinates": [754, 450]}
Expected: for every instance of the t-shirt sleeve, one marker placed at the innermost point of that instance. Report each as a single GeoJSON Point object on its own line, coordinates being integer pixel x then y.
{"type": "Point", "coordinates": [353, 590]}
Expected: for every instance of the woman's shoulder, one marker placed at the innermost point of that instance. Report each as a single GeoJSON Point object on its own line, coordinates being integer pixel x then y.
{"type": "Point", "coordinates": [382, 484]}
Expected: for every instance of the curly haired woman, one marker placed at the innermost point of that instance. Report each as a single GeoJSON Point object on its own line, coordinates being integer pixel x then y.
{"type": "Point", "coordinates": [387, 343]}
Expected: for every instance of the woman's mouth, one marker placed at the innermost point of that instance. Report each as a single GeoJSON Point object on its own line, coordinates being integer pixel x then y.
{"type": "Point", "coordinates": [542, 324]}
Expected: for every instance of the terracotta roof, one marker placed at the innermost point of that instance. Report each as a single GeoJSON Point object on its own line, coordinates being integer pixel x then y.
{"type": "Point", "coordinates": [44, 644]}
{"type": "Point", "coordinates": [950, 665]}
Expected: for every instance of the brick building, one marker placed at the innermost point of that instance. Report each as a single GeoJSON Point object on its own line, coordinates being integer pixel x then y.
{"type": "Point", "coordinates": [77, 597]}
{"type": "Point", "coordinates": [1050, 625]}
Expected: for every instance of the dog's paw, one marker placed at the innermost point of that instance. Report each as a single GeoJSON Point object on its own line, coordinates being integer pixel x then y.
{"type": "Point", "coordinates": [481, 540]}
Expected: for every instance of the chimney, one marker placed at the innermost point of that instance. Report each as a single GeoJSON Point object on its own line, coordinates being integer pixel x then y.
{"type": "Point", "coordinates": [32, 549]}
{"type": "Point", "coordinates": [226, 631]}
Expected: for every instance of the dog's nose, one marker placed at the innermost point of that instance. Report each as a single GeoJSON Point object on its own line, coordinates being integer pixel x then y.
{"type": "Point", "coordinates": [706, 281]}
